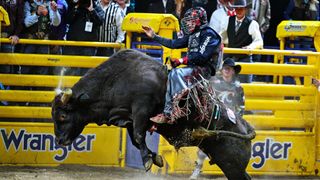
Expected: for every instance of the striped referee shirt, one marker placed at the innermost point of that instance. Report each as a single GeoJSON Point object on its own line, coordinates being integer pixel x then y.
{"type": "Point", "coordinates": [111, 31]}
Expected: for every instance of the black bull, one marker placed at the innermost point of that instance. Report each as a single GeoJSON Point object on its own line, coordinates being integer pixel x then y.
{"type": "Point", "coordinates": [126, 91]}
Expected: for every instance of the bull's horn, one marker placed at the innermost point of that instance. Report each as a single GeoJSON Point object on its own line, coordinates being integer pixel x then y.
{"type": "Point", "coordinates": [66, 96]}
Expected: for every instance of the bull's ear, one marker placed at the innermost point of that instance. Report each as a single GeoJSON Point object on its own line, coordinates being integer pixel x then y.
{"type": "Point", "coordinates": [84, 98]}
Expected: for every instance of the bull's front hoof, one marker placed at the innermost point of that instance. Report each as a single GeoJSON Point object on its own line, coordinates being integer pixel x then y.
{"type": "Point", "coordinates": [157, 160]}
{"type": "Point", "coordinates": [148, 164]}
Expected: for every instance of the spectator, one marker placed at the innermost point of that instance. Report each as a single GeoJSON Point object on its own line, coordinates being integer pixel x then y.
{"type": "Point", "coordinates": [179, 7]}
{"type": "Point", "coordinates": [39, 16]}
{"type": "Point", "coordinates": [302, 10]}
{"type": "Point", "coordinates": [141, 6]}
{"type": "Point", "coordinates": [110, 31]}
{"type": "Point", "coordinates": [124, 7]}
{"type": "Point", "coordinates": [203, 47]}
{"type": "Point", "coordinates": [241, 32]}
{"type": "Point", "coordinates": [162, 6]}
{"type": "Point", "coordinates": [209, 5]}
{"type": "Point", "coordinates": [84, 19]}
{"type": "Point", "coordinates": [13, 31]}
{"type": "Point", "coordinates": [59, 32]}
{"type": "Point", "coordinates": [261, 12]}
{"type": "Point", "coordinates": [229, 91]}
{"type": "Point", "coordinates": [277, 15]}
{"type": "Point", "coordinates": [221, 15]}
{"type": "Point", "coordinates": [314, 9]}
{"type": "Point", "coordinates": [131, 5]}
{"type": "Point", "coordinates": [227, 86]}
{"type": "Point", "coordinates": [187, 4]}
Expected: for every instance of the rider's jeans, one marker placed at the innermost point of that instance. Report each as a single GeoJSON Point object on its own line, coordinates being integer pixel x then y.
{"type": "Point", "coordinates": [176, 83]}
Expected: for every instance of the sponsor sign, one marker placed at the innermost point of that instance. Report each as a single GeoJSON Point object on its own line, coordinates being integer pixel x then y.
{"type": "Point", "coordinates": [272, 153]}
{"type": "Point", "coordinates": [295, 27]}
{"type": "Point", "coordinates": [34, 143]}
{"type": "Point", "coordinates": [44, 142]}
{"type": "Point", "coordinates": [269, 149]}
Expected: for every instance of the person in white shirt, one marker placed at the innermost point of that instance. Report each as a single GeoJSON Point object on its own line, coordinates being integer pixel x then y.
{"type": "Point", "coordinates": [241, 32]}
{"type": "Point", "coordinates": [110, 31]}
{"type": "Point", "coordinates": [221, 14]}
{"type": "Point", "coordinates": [124, 5]}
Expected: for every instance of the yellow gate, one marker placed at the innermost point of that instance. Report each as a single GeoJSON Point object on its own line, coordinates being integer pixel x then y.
{"type": "Point", "coordinates": [25, 142]}
{"type": "Point", "coordinates": [286, 118]}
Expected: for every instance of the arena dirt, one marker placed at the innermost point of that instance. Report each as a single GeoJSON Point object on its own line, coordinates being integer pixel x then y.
{"type": "Point", "coordinates": [75, 172]}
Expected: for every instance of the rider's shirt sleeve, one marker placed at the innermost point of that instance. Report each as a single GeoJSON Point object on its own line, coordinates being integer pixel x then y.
{"type": "Point", "coordinates": [173, 44]}
{"type": "Point", "coordinates": [202, 49]}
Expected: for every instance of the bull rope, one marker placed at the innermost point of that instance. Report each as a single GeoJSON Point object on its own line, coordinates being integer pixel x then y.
{"type": "Point", "coordinates": [205, 107]}
{"type": "Point", "coordinates": [205, 133]}
{"type": "Point", "coordinates": [203, 102]}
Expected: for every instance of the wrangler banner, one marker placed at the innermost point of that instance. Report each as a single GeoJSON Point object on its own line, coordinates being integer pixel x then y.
{"type": "Point", "coordinates": [281, 153]}
{"type": "Point", "coordinates": [34, 144]}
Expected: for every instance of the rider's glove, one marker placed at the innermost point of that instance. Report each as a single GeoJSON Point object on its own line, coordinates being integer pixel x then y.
{"type": "Point", "coordinates": [177, 62]}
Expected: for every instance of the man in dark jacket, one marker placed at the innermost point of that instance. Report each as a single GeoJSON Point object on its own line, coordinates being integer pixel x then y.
{"type": "Point", "coordinates": [38, 17]}
{"type": "Point", "coordinates": [84, 18]}
{"type": "Point", "coordinates": [203, 44]}
{"type": "Point", "coordinates": [14, 9]}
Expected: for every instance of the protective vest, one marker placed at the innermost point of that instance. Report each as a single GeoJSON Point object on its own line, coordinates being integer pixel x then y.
{"type": "Point", "coordinates": [195, 46]}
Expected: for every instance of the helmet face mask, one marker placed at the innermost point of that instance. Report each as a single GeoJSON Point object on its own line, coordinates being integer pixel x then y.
{"type": "Point", "coordinates": [193, 19]}
{"type": "Point", "coordinates": [188, 25]}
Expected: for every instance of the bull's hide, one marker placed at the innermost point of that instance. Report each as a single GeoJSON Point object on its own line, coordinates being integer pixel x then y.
{"type": "Point", "coordinates": [126, 91]}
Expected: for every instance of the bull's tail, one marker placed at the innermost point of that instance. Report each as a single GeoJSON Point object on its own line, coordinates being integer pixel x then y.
{"type": "Point", "coordinates": [201, 133]}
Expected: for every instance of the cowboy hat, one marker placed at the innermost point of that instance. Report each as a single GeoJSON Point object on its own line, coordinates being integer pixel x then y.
{"type": "Point", "coordinates": [230, 62]}
{"type": "Point", "coordinates": [239, 4]}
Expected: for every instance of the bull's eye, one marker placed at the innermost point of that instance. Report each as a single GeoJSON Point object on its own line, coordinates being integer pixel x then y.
{"type": "Point", "coordinates": [62, 117]}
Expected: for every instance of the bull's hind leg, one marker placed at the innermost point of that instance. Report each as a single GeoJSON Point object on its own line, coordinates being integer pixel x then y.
{"type": "Point", "coordinates": [141, 115]}
{"type": "Point", "coordinates": [231, 155]}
